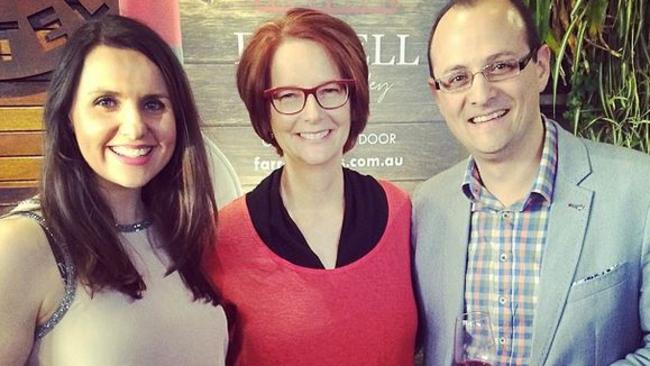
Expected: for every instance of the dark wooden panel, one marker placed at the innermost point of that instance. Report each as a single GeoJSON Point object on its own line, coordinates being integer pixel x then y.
{"type": "Point", "coordinates": [22, 93]}
{"type": "Point", "coordinates": [210, 28]}
{"type": "Point", "coordinates": [10, 196]}
{"type": "Point", "coordinates": [397, 95]}
{"type": "Point", "coordinates": [21, 143]}
{"type": "Point", "coordinates": [398, 152]}
{"type": "Point", "coordinates": [21, 119]}
{"type": "Point", "coordinates": [20, 169]}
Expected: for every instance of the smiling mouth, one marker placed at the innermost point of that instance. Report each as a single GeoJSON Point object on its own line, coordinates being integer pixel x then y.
{"type": "Point", "coordinates": [314, 135]}
{"type": "Point", "coordinates": [131, 152]}
{"type": "Point", "coordinates": [488, 117]}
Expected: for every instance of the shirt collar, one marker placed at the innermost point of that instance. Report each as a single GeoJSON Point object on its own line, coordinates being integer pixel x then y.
{"type": "Point", "coordinates": [543, 185]}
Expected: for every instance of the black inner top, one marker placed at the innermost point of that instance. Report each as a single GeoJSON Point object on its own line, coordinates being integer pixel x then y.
{"type": "Point", "coordinates": [364, 220]}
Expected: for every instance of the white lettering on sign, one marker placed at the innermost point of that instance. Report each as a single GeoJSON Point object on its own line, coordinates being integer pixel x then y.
{"type": "Point", "coordinates": [374, 162]}
{"type": "Point", "coordinates": [382, 87]}
{"type": "Point", "coordinates": [376, 44]}
{"type": "Point", "coordinates": [383, 138]}
{"type": "Point", "coordinates": [266, 165]}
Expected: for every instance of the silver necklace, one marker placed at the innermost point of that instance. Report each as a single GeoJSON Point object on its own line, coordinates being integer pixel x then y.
{"type": "Point", "coordinates": [135, 227]}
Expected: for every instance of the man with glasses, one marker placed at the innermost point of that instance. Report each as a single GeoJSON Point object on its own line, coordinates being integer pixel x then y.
{"type": "Point", "coordinates": [547, 233]}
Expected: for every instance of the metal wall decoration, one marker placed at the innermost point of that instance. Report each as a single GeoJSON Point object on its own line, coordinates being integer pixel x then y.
{"type": "Point", "coordinates": [32, 32]}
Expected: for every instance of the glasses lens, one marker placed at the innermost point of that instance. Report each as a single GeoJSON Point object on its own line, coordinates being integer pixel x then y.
{"type": "Point", "coordinates": [456, 82]}
{"type": "Point", "coordinates": [288, 100]}
{"type": "Point", "coordinates": [501, 70]}
{"type": "Point", "coordinates": [332, 95]}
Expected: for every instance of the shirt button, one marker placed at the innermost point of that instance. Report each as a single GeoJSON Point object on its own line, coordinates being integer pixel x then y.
{"type": "Point", "coordinates": [502, 340]}
{"type": "Point", "coordinates": [503, 257]}
{"type": "Point", "coordinates": [502, 300]}
{"type": "Point", "coordinates": [507, 215]}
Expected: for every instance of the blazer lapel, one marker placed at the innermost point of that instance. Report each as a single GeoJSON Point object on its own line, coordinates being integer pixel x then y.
{"type": "Point", "coordinates": [453, 262]}
{"type": "Point", "coordinates": [456, 253]}
{"type": "Point", "coordinates": [567, 224]}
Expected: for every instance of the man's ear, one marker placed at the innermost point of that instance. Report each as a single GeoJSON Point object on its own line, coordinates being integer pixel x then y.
{"type": "Point", "coordinates": [432, 87]}
{"type": "Point", "coordinates": [543, 65]}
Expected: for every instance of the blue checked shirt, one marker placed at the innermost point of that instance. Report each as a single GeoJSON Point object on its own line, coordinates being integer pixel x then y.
{"type": "Point", "coordinates": [504, 255]}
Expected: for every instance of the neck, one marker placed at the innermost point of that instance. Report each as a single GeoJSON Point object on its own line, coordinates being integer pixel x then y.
{"type": "Point", "coordinates": [510, 179]}
{"type": "Point", "coordinates": [315, 188]}
{"type": "Point", "coordinates": [126, 204]}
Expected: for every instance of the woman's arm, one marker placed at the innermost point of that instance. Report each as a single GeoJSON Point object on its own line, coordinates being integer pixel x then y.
{"type": "Point", "coordinates": [29, 286]}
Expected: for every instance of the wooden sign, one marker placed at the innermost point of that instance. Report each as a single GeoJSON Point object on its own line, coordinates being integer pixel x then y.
{"type": "Point", "coordinates": [406, 140]}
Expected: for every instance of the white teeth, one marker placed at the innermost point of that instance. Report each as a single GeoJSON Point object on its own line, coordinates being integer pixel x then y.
{"type": "Point", "coordinates": [131, 152]}
{"type": "Point", "coordinates": [314, 135]}
{"type": "Point", "coordinates": [488, 117]}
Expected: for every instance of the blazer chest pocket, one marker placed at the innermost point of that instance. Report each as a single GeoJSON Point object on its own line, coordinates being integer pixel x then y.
{"type": "Point", "coordinates": [598, 281]}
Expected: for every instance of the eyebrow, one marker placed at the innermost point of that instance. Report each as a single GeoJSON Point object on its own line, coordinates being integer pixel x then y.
{"type": "Point", "coordinates": [112, 92]}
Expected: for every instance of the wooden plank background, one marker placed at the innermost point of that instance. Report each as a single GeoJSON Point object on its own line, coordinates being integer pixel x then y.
{"type": "Point", "coordinates": [27, 57]}
{"type": "Point", "coordinates": [406, 140]}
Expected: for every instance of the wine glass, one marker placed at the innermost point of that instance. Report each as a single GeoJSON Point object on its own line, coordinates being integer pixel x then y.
{"type": "Point", "coordinates": [473, 341]}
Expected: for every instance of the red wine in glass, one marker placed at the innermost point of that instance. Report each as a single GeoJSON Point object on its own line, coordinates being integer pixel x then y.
{"type": "Point", "coordinates": [473, 341]}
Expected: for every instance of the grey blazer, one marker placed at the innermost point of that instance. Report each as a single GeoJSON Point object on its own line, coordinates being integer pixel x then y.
{"type": "Point", "coordinates": [599, 220]}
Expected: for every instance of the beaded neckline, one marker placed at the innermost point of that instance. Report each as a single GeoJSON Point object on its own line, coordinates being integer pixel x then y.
{"type": "Point", "coordinates": [135, 227]}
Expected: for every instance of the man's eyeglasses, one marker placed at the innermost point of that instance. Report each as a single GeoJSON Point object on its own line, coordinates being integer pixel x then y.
{"type": "Point", "coordinates": [458, 81]}
{"type": "Point", "coordinates": [291, 99]}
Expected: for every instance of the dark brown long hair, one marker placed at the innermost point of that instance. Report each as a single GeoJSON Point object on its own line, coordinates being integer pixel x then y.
{"type": "Point", "coordinates": [180, 198]}
{"type": "Point", "coordinates": [342, 45]}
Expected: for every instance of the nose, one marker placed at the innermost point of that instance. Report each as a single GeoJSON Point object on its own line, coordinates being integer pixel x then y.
{"type": "Point", "coordinates": [480, 91]}
{"type": "Point", "coordinates": [312, 110]}
{"type": "Point", "coordinates": [132, 124]}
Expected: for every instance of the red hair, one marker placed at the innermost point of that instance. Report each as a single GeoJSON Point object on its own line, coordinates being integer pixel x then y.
{"type": "Point", "coordinates": [342, 45]}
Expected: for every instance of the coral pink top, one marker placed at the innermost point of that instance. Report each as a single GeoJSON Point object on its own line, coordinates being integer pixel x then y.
{"type": "Point", "coordinates": [363, 313]}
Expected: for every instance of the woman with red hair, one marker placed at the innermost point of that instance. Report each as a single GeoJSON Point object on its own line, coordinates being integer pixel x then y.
{"type": "Point", "coordinates": [314, 264]}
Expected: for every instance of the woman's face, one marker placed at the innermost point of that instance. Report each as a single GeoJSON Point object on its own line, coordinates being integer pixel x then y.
{"type": "Point", "coordinates": [313, 136]}
{"type": "Point", "coordinates": [122, 118]}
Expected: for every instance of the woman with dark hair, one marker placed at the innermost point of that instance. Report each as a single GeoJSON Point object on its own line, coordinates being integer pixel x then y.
{"type": "Point", "coordinates": [314, 263]}
{"type": "Point", "coordinates": [103, 268]}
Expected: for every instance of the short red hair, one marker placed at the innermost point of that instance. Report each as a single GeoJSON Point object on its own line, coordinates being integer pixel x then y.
{"type": "Point", "coordinates": [342, 45]}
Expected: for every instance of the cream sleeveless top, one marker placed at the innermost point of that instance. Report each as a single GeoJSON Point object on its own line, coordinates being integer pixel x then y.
{"type": "Point", "coordinates": [165, 327]}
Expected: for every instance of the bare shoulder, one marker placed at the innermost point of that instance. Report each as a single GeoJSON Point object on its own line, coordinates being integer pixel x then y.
{"type": "Point", "coordinates": [23, 242]}
{"type": "Point", "coordinates": [27, 279]}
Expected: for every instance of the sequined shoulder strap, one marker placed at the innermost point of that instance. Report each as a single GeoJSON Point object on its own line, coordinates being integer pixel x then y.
{"type": "Point", "coordinates": [66, 269]}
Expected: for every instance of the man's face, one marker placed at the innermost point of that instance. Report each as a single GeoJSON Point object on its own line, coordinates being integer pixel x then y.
{"type": "Point", "coordinates": [495, 120]}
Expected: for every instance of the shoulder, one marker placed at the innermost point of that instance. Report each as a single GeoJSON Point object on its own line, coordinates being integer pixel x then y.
{"type": "Point", "coordinates": [617, 168]}
{"type": "Point", "coordinates": [29, 283]}
{"type": "Point", "coordinates": [26, 262]}
{"type": "Point", "coordinates": [22, 239]}
{"type": "Point", "coordinates": [234, 211]}
{"type": "Point", "coordinates": [393, 192]}
{"type": "Point", "coordinates": [440, 186]}
{"type": "Point", "coordinates": [25, 255]}
{"type": "Point", "coordinates": [604, 155]}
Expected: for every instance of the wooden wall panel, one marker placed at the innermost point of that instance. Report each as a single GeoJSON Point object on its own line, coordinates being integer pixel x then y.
{"type": "Point", "coordinates": [211, 29]}
{"type": "Point", "coordinates": [21, 143]}
{"type": "Point", "coordinates": [22, 93]}
{"type": "Point", "coordinates": [21, 119]}
{"type": "Point", "coordinates": [20, 168]}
